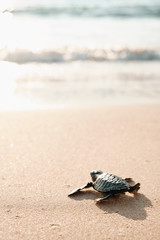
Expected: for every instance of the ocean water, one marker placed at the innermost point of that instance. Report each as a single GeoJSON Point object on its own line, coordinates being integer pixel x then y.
{"type": "Point", "coordinates": [58, 53]}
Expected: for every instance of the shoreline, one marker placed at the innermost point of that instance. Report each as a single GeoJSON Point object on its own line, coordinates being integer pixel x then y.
{"type": "Point", "coordinates": [81, 106]}
{"type": "Point", "coordinates": [46, 154]}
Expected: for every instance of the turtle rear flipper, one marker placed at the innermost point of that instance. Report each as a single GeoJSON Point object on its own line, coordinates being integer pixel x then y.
{"type": "Point", "coordinates": [88, 185]}
{"type": "Point", "coordinates": [128, 180]}
{"type": "Point", "coordinates": [134, 189]}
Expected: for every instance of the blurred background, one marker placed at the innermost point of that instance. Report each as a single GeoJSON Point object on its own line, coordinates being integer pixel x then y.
{"type": "Point", "coordinates": [60, 53]}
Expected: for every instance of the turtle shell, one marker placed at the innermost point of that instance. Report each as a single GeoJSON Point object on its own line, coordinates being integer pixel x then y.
{"type": "Point", "coordinates": [108, 182]}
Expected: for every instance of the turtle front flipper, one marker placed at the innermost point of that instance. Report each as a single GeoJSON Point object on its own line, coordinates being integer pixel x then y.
{"type": "Point", "coordinates": [88, 185]}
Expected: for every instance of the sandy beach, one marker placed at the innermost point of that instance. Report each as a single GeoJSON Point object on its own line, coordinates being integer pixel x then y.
{"type": "Point", "coordinates": [44, 155]}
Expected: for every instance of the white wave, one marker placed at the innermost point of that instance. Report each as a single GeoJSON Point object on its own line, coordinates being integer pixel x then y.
{"type": "Point", "coordinates": [68, 55]}
{"type": "Point", "coordinates": [90, 8]}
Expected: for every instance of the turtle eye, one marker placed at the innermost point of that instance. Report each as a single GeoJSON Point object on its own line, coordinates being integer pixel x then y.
{"type": "Point", "coordinates": [97, 172]}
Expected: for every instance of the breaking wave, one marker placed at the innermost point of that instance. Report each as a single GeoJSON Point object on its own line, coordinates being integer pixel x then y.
{"type": "Point", "coordinates": [118, 10]}
{"type": "Point", "coordinates": [68, 55]}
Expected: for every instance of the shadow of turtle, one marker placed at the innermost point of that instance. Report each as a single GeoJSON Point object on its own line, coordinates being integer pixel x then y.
{"type": "Point", "coordinates": [129, 206]}
{"type": "Point", "coordinates": [132, 207]}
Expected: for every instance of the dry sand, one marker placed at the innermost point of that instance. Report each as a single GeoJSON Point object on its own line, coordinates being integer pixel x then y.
{"type": "Point", "coordinates": [46, 154]}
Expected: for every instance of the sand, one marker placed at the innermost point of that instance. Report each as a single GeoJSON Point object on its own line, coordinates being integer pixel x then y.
{"type": "Point", "coordinates": [46, 154]}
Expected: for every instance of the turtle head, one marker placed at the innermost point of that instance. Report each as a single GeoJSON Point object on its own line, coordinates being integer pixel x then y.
{"type": "Point", "coordinates": [95, 174]}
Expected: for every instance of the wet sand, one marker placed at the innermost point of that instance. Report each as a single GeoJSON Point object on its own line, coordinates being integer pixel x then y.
{"type": "Point", "coordinates": [44, 155]}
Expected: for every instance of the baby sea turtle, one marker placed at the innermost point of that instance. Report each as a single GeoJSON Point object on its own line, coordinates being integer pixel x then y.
{"type": "Point", "coordinates": [108, 184]}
